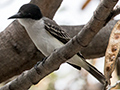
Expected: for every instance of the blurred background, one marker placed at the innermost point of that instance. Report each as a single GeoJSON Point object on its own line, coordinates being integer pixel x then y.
{"type": "Point", "coordinates": [71, 12]}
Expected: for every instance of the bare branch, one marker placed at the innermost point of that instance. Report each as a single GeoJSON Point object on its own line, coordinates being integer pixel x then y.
{"type": "Point", "coordinates": [48, 7]}
{"type": "Point", "coordinates": [116, 11]}
{"type": "Point", "coordinates": [61, 55]}
{"type": "Point", "coordinates": [17, 51]}
{"type": "Point", "coordinates": [98, 45]}
{"type": "Point", "coordinates": [31, 55]}
{"type": "Point", "coordinates": [113, 13]}
{"type": "Point", "coordinates": [110, 87]}
{"type": "Point", "coordinates": [96, 22]}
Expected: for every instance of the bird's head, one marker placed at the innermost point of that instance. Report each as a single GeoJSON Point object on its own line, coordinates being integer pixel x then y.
{"type": "Point", "coordinates": [28, 11]}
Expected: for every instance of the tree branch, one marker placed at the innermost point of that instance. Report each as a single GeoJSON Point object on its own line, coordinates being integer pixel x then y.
{"type": "Point", "coordinates": [17, 51]}
{"type": "Point", "coordinates": [98, 45]}
{"type": "Point", "coordinates": [110, 87]}
{"type": "Point", "coordinates": [48, 7]}
{"type": "Point", "coordinates": [29, 55]}
{"type": "Point", "coordinates": [113, 13]}
{"type": "Point", "coordinates": [53, 62]}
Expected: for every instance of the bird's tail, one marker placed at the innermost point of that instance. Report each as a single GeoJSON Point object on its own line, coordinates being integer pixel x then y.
{"type": "Point", "coordinates": [77, 61]}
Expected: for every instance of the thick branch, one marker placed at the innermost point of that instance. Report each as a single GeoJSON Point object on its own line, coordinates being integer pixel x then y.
{"type": "Point", "coordinates": [29, 54]}
{"type": "Point", "coordinates": [48, 7]}
{"type": "Point", "coordinates": [17, 52]}
{"type": "Point", "coordinates": [12, 42]}
{"type": "Point", "coordinates": [113, 13]}
{"type": "Point", "coordinates": [97, 46]}
{"type": "Point", "coordinates": [72, 47]}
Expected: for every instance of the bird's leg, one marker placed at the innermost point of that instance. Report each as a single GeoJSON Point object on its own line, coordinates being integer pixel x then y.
{"type": "Point", "coordinates": [36, 67]}
{"type": "Point", "coordinates": [55, 49]}
{"type": "Point", "coordinates": [42, 61]}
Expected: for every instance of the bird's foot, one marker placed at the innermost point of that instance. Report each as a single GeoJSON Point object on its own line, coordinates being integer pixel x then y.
{"type": "Point", "coordinates": [42, 61]}
{"type": "Point", "coordinates": [56, 49]}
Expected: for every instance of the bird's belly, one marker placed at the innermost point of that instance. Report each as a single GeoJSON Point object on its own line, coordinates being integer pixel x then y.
{"type": "Point", "coordinates": [48, 44]}
{"type": "Point", "coordinates": [42, 39]}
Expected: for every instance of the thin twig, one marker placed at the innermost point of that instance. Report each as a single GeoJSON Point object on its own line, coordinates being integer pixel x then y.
{"type": "Point", "coordinates": [110, 87]}
{"type": "Point", "coordinates": [113, 13]}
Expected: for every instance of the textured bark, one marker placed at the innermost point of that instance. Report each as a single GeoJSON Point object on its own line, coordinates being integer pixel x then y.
{"type": "Point", "coordinates": [53, 62]}
{"type": "Point", "coordinates": [18, 53]}
{"type": "Point", "coordinates": [48, 7]}
{"type": "Point", "coordinates": [97, 46]}
{"type": "Point", "coordinates": [15, 41]}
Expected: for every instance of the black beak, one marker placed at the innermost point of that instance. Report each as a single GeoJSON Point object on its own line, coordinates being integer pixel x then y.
{"type": "Point", "coordinates": [18, 15]}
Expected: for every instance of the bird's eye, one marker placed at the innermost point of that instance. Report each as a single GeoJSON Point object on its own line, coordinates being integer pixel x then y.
{"type": "Point", "coordinates": [29, 14]}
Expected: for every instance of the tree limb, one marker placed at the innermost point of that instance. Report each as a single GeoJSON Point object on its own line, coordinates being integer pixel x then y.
{"type": "Point", "coordinates": [98, 45]}
{"type": "Point", "coordinates": [48, 7]}
{"type": "Point", "coordinates": [113, 13]}
{"type": "Point", "coordinates": [17, 51]}
{"type": "Point", "coordinates": [110, 87]}
{"type": "Point", "coordinates": [53, 62]}
{"type": "Point", "coordinates": [29, 55]}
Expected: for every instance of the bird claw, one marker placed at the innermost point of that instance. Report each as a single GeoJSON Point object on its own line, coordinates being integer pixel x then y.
{"type": "Point", "coordinates": [37, 64]}
{"type": "Point", "coordinates": [43, 61]}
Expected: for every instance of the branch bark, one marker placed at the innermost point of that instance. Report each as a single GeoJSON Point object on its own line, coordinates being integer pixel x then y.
{"type": "Point", "coordinates": [17, 52]}
{"type": "Point", "coordinates": [53, 62]}
{"type": "Point", "coordinates": [27, 55]}
{"type": "Point", "coordinates": [15, 41]}
{"type": "Point", "coordinates": [48, 7]}
{"type": "Point", "coordinates": [98, 45]}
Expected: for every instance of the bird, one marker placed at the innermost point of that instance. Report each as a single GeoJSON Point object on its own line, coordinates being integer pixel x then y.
{"type": "Point", "coordinates": [47, 36]}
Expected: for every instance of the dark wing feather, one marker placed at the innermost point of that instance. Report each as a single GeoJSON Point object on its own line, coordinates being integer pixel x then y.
{"type": "Point", "coordinates": [56, 31]}
{"type": "Point", "coordinates": [61, 35]}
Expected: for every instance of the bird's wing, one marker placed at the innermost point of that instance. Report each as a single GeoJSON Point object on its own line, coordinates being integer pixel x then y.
{"type": "Point", "coordinates": [62, 36]}
{"type": "Point", "coordinates": [56, 31]}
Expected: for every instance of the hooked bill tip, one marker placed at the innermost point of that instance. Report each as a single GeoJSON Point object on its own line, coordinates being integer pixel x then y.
{"type": "Point", "coordinates": [18, 15]}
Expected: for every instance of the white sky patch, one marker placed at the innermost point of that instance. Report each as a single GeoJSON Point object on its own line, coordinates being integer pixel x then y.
{"type": "Point", "coordinates": [7, 9]}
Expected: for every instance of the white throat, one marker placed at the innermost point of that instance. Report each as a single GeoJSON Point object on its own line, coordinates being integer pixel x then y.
{"type": "Point", "coordinates": [40, 37]}
{"type": "Point", "coordinates": [26, 22]}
